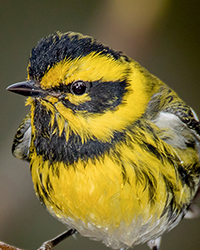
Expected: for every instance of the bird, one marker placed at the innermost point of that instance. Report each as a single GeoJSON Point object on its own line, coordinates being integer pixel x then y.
{"type": "Point", "coordinates": [113, 151]}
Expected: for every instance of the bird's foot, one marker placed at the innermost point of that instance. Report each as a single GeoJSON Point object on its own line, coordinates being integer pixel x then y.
{"type": "Point", "coordinates": [50, 244]}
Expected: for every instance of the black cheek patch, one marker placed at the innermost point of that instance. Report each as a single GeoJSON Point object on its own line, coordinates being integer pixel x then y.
{"type": "Point", "coordinates": [104, 96]}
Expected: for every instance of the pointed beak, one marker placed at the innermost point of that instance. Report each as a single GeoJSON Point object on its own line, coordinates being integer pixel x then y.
{"type": "Point", "coordinates": [26, 88]}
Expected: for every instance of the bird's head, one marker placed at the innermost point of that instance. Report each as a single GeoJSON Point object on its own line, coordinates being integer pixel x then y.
{"type": "Point", "coordinates": [84, 86]}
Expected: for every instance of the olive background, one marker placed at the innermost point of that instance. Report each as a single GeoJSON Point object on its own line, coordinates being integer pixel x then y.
{"type": "Point", "coordinates": [164, 36]}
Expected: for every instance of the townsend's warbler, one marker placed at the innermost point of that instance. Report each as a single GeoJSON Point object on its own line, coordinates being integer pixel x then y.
{"type": "Point", "coordinates": [113, 151]}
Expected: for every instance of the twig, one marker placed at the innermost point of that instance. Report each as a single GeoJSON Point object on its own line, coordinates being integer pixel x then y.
{"type": "Point", "coordinates": [5, 246]}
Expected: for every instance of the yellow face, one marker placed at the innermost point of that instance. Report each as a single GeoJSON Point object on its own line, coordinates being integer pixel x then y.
{"type": "Point", "coordinates": [95, 94]}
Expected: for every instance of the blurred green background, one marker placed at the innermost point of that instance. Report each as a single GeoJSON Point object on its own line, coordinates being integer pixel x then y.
{"type": "Point", "coordinates": [164, 36]}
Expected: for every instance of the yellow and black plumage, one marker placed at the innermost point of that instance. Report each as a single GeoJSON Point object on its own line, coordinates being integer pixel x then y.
{"type": "Point", "coordinates": [113, 151]}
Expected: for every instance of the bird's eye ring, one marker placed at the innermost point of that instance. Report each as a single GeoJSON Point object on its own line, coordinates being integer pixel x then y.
{"type": "Point", "coordinates": [78, 87]}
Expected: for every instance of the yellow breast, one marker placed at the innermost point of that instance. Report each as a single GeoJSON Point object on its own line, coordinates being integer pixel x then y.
{"type": "Point", "coordinates": [105, 192]}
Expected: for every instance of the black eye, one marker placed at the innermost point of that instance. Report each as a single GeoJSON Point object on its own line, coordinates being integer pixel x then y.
{"type": "Point", "coordinates": [78, 88]}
